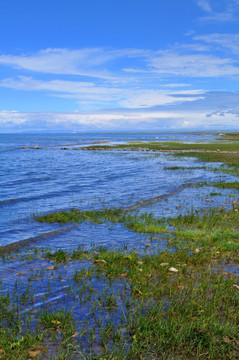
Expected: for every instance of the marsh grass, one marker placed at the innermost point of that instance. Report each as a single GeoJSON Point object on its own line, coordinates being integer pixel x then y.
{"type": "Point", "coordinates": [192, 313]}
{"type": "Point", "coordinates": [227, 185]}
{"type": "Point", "coordinates": [74, 215]}
{"type": "Point", "coordinates": [179, 303]}
{"type": "Point", "coordinates": [225, 150]}
{"type": "Point", "coordinates": [137, 223]}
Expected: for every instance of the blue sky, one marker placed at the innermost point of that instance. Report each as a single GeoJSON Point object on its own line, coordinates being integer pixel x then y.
{"type": "Point", "coordinates": [79, 65]}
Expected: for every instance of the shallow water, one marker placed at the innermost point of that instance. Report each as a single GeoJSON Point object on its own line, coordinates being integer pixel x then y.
{"type": "Point", "coordinates": [49, 179]}
{"type": "Point", "coordinates": [37, 181]}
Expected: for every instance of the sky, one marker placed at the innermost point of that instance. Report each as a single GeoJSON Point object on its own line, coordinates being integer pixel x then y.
{"type": "Point", "coordinates": [119, 65]}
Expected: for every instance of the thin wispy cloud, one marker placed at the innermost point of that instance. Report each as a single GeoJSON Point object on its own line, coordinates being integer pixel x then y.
{"type": "Point", "coordinates": [225, 42]}
{"type": "Point", "coordinates": [190, 65]}
{"type": "Point", "coordinates": [204, 5]}
{"type": "Point", "coordinates": [175, 81]}
{"type": "Point", "coordinates": [88, 62]}
{"type": "Point", "coordinates": [90, 93]}
{"type": "Point", "coordinates": [112, 120]}
{"type": "Point", "coordinates": [220, 11]}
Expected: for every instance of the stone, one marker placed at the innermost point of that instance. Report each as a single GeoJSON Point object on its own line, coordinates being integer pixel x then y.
{"type": "Point", "coordinates": [34, 353]}
{"type": "Point", "coordinates": [172, 269]}
{"type": "Point", "coordinates": [123, 275]}
{"type": "Point", "coordinates": [21, 273]}
{"type": "Point", "coordinates": [75, 335]}
{"type": "Point", "coordinates": [56, 322]}
{"type": "Point", "coordinates": [52, 267]}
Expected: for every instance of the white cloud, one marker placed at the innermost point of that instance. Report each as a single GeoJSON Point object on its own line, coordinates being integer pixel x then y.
{"type": "Point", "coordinates": [222, 11]}
{"type": "Point", "coordinates": [177, 85]}
{"type": "Point", "coordinates": [195, 65]}
{"type": "Point", "coordinates": [88, 92]}
{"type": "Point", "coordinates": [112, 120]}
{"type": "Point", "coordinates": [156, 79]}
{"type": "Point", "coordinates": [84, 62]}
{"type": "Point", "coordinates": [222, 41]}
{"type": "Point", "coordinates": [204, 5]}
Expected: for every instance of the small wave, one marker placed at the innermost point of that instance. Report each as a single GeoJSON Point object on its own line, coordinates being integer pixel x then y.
{"type": "Point", "coordinates": [25, 180]}
{"type": "Point", "coordinates": [19, 244]}
{"type": "Point", "coordinates": [41, 301]}
{"type": "Point", "coordinates": [156, 198]}
{"type": "Point", "coordinates": [37, 197]}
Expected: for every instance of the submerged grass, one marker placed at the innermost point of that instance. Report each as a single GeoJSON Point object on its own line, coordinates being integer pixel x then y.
{"type": "Point", "coordinates": [177, 305]}
{"type": "Point", "coordinates": [227, 185]}
{"type": "Point", "coordinates": [144, 223]}
{"type": "Point", "coordinates": [181, 303]}
{"type": "Point", "coordinates": [172, 305]}
{"type": "Point", "coordinates": [224, 150]}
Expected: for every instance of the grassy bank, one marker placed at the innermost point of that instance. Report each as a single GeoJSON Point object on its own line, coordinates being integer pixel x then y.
{"type": "Point", "coordinates": [224, 150]}
{"type": "Point", "coordinates": [179, 302]}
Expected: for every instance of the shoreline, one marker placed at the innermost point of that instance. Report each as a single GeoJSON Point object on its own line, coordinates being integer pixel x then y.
{"type": "Point", "coordinates": [174, 295]}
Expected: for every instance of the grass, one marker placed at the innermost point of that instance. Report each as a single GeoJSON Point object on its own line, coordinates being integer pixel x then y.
{"type": "Point", "coordinates": [138, 307]}
{"type": "Point", "coordinates": [225, 150]}
{"type": "Point", "coordinates": [227, 185]}
{"type": "Point", "coordinates": [180, 303]}
{"type": "Point", "coordinates": [78, 216]}
{"type": "Point", "coordinates": [193, 313]}
{"type": "Point", "coordinates": [190, 312]}
{"type": "Point", "coordinates": [140, 224]}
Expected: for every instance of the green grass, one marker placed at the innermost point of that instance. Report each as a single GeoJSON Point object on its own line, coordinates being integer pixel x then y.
{"type": "Point", "coordinates": [58, 256]}
{"type": "Point", "coordinates": [140, 224]}
{"type": "Point", "coordinates": [137, 307]}
{"type": "Point", "coordinates": [74, 215]}
{"type": "Point", "coordinates": [225, 150]}
{"type": "Point", "coordinates": [228, 185]}
{"type": "Point", "coordinates": [191, 313]}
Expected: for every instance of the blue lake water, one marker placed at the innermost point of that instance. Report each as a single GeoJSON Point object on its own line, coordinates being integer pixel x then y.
{"type": "Point", "coordinates": [38, 181]}
{"type": "Point", "coordinates": [51, 178]}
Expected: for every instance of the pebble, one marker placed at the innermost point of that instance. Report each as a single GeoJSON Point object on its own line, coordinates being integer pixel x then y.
{"type": "Point", "coordinates": [123, 275]}
{"type": "Point", "coordinates": [172, 269]}
{"type": "Point", "coordinates": [34, 353]}
{"type": "Point", "coordinates": [52, 267]}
